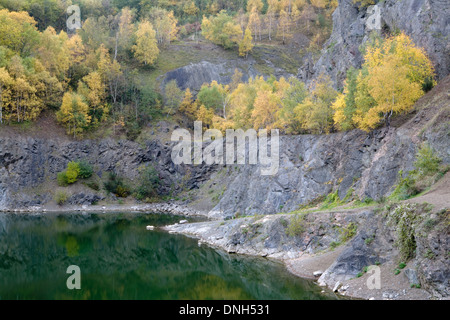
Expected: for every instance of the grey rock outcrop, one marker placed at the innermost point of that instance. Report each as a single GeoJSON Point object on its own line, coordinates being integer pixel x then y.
{"type": "Point", "coordinates": [425, 21]}
{"type": "Point", "coordinates": [269, 236]}
{"type": "Point", "coordinates": [411, 275]}
{"type": "Point", "coordinates": [375, 243]}
{"type": "Point", "coordinates": [371, 245]}
{"type": "Point", "coordinates": [433, 258]}
{"type": "Point", "coordinates": [365, 164]}
{"type": "Point", "coordinates": [312, 166]}
{"type": "Point", "coordinates": [429, 265]}
{"type": "Point", "coordinates": [193, 76]}
{"type": "Point", "coordinates": [84, 199]}
{"type": "Point", "coordinates": [27, 163]}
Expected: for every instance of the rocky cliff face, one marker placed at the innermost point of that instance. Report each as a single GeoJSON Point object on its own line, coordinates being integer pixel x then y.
{"type": "Point", "coordinates": [271, 236]}
{"type": "Point", "coordinates": [195, 75]}
{"type": "Point", "coordinates": [208, 62]}
{"type": "Point", "coordinates": [379, 241]}
{"type": "Point", "coordinates": [425, 21]}
{"type": "Point", "coordinates": [29, 166]}
{"type": "Point", "coordinates": [310, 166]}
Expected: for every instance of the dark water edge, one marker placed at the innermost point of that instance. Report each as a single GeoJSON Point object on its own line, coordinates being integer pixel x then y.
{"type": "Point", "coordinates": [120, 259]}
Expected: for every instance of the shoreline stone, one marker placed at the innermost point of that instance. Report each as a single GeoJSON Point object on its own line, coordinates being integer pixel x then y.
{"type": "Point", "coordinates": [265, 237]}
{"type": "Point", "coordinates": [164, 208]}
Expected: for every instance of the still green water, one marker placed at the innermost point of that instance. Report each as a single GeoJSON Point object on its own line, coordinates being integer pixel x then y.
{"type": "Point", "coordinates": [120, 259]}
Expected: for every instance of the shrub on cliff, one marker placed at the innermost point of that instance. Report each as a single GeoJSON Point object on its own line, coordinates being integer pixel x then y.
{"type": "Point", "coordinates": [86, 170]}
{"type": "Point", "coordinates": [70, 175]}
{"type": "Point", "coordinates": [116, 185]}
{"type": "Point", "coordinates": [348, 232]}
{"type": "Point", "coordinates": [60, 197]}
{"type": "Point", "coordinates": [72, 172]}
{"type": "Point", "coordinates": [149, 182]}
{"type": "Point", "coordinates": [61, 177]}
{"type": "Point", "coordinates": [297, 225]}
{"type": "Point", "coordinates": [428, 170]}
{"type": "Point", "coordinates": [405, 218]}
{"type": "Point", "coordinates": [365, 3]}
{"type": "Point", "coordinates": [75, 170]}
{"type": "Point", "coordinates": [427, 161]}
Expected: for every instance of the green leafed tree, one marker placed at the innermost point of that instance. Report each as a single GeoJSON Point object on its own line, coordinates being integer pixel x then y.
{"type": "Point", "coordinates": [146, 47]}
{"type": "Point", "coordinates": [72, 172]}
{"type": "Point", "coordinates": [246, 45]}
{"type": "Point", "coordinates": [74, 113]}
{"type": "Point", "coordinates": [222, 30]}
{"type": "Point", "coordinates": [173, 96]}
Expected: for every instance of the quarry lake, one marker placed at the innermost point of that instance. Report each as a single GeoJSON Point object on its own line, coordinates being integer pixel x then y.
{"type": "Point", "coordinates": [119, 259]}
